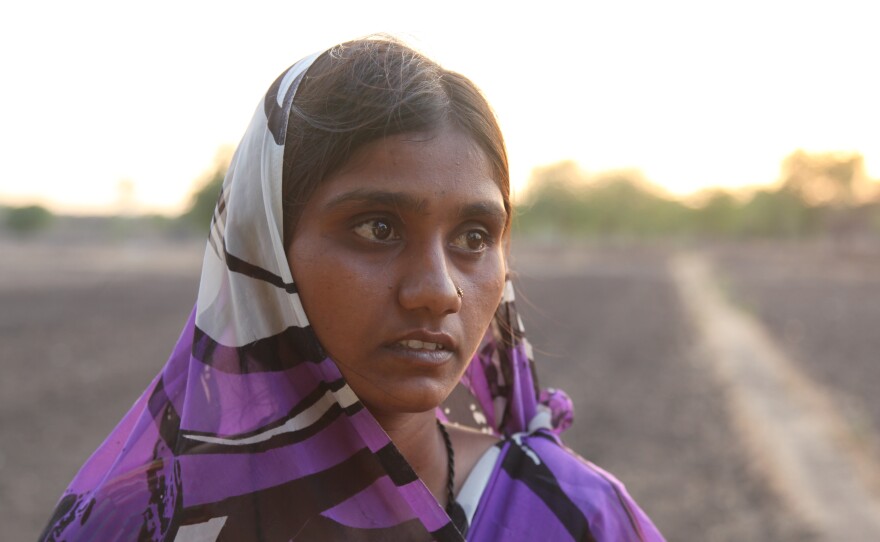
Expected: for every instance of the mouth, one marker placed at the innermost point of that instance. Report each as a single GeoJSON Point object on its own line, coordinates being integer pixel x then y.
{"type": "Point", "coordinates": [415, 344]}
{"type": "Point", "coordinates": [424, 347]}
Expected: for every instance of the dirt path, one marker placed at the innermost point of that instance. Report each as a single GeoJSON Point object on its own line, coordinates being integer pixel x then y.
{"type": "Point", "coordinates": [608, 327]}
{"type": "Point", "coordinates": [795, 436]}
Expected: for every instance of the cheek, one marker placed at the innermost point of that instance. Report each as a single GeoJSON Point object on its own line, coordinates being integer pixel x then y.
{"type": "Point", "coordinates": [485, 296]}
{"type": "Point", "coordinates": [340, 300]}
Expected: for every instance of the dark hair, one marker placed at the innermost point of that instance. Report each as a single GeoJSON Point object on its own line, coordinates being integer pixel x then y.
{"type": "Point", "coordinates": [363, 90]}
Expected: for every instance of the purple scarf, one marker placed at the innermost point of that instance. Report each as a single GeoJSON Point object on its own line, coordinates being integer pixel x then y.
{"type": "Point", "coordinates": [251, 433]}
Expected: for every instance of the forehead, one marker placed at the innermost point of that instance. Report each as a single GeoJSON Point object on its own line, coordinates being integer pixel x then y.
{"type": "Point", "coordinates": [445, 162]}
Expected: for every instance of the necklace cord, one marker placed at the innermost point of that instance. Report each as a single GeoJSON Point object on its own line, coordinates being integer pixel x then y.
{"type": "Point", "coordinates": [453, 509]}
{"type": "Point", "coordinates": [450, 468]}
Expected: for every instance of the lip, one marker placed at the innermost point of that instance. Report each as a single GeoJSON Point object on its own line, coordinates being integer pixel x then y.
{"type": "Point", "coordinates": [424, 356]}
{"type": "Point", "coordinates": [427, 336]}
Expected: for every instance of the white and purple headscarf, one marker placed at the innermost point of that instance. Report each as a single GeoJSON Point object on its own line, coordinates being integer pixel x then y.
{"type": "Point", "coordinates": [250, 431]}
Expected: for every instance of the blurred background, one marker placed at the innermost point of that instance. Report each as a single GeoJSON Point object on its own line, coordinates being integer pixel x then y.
{"type": "Point", "coordinates": [648, 141]}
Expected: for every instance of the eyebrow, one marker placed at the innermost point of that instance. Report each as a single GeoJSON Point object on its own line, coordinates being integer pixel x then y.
{"type": "Point", "coordinates": [398, 200]}
{"type": "Point", "coordinates": [411, 203]}
{"type": "Point", "coordinates": [483, 209]}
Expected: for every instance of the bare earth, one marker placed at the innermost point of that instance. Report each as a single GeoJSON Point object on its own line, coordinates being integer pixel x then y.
{"type": "Point", "coordinates": [84, 329]}
{"type": "Point", "coordinates": [823, 304]}
{"type": "Point", "coordinates": [615, 335]}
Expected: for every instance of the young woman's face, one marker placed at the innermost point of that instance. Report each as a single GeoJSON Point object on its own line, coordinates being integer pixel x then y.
{"type": "Point", "coordinates": [379, 254]}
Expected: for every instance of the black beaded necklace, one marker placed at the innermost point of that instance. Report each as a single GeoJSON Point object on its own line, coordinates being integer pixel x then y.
{"type": "Point", "coordinates": [453, 509]}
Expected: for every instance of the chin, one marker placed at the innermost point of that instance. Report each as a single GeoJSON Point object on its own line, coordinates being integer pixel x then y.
{"type": "Point", "coordinates": [406, 401]}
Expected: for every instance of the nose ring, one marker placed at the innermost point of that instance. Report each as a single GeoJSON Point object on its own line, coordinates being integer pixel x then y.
{"type": "Point", "coordinates": [459, 291]}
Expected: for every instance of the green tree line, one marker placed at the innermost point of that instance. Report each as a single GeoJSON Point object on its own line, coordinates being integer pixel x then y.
{"type": "Point", "coordinates": [817, 194]}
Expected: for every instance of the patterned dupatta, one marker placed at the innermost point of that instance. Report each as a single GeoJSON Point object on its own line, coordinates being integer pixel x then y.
{"type": "Point", "coordinates": [250, 431]}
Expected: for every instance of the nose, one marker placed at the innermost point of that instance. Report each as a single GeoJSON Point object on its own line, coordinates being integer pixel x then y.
{"type": "Point", "coordinates": [427, 282]}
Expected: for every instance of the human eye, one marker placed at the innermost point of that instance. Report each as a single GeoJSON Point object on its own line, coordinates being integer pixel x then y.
{"type": "Point", "coordinates": [472, 241]}
{"type": "Point", "coordinates": [376, 229]}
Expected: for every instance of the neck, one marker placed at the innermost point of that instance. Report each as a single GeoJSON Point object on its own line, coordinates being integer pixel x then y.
{"type": "Point", "coordinates": [418, 439]}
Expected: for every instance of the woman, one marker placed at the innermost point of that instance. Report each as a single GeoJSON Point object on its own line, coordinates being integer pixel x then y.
{"type": "Point", "coordinates": [353, 295]}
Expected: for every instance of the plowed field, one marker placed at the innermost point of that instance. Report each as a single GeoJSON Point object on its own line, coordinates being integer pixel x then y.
{"type": "Point", "coordinates": [84, 329]}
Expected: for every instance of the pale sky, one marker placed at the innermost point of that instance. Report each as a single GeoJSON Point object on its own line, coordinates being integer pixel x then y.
{"type": "Point", "coordinates": [693, 93]}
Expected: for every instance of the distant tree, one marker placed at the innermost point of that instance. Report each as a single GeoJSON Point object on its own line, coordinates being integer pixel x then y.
{"type": "Point", "coordinates": [563, 199]}
{"type": "Point", "coordinates": [27, 220]}
{"type": "Point", "coordinates": [874, 218]}
{"type": "Point", "coordinates": [201, 208]}
{"type": "Point", "coordinates": [553, 199]}
{"type": "Point", "coordinates": [717, 212]}
{"type": "Point", "coordinates": [623, 202]}
{"type": "Point", "coordinates": [779, 213]}
{"type": "Point", "coordinates": [818, 193]}
{"type": "Point", "coordinates": [829, 178]}
{"type": "Point", "coordinates": [202, 204]}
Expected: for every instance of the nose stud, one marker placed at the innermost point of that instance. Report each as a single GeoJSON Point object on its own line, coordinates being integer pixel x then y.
{"type": "Point", "coordinates": [459, 291]}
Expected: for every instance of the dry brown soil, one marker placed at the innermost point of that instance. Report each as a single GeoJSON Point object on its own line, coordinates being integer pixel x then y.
{"type": "Point", "coordinates": [822, 301]}
{"type": "Point", "coordinates": [614, 334]}
{"type": "Point", "coordinates": [84, 329]}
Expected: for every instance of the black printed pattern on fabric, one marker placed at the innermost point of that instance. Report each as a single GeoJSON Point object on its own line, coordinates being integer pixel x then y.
{"type": "Point", "coordinates": [277, 116]}
{"type": "Point", "coordinates": [65, 512]}
{"type": "Point", "coordinates": [290, 510]}
{"type": "Point", "coordinates": [189, 445]}
{"type": "Point", "coordinates": [164, 414]}
{"type": "Point", "coordinates": [279, 352]}
{"type": "Point", "coordinates": [459, 518]}
{"type": "Point", "coordinates": [447, 533]}
{"type": "Point", "coordinates": [541, 481]}
{"type": "Point", "coordinates": [324, 528]}
{"type": "Point", "coordinates": [163, 472]}
{"type": "Point", "coordinates": [218, 224]}
{"type": "Point", "coordinates": [164, 485]}
{"type": "Point", "coordinates": [400, 472]}
{"type": "Point", "coordinates": [217, 240]}
{"type": "Point", "coordinates": [237, 265]}
{"type": "Point", "coordinates": [508, 335]}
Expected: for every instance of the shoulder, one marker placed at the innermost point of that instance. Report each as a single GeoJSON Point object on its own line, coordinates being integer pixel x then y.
{"type": "Point", "coordinates": [573, 472]}
{"type": "Point", "coordinates": [583, 497]}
